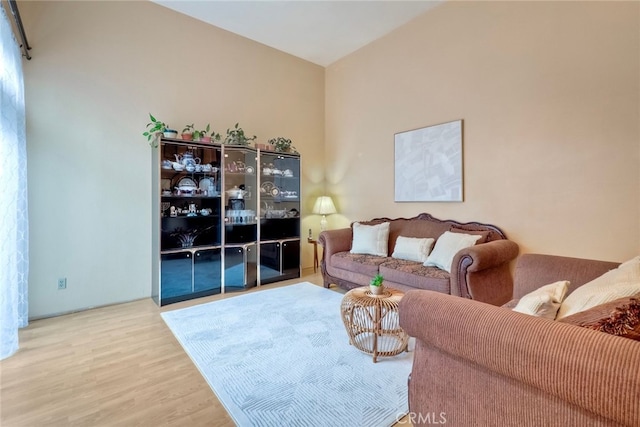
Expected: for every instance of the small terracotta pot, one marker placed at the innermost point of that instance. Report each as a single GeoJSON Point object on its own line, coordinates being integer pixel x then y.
{"type": "Point", "coordinates": [187, 136]}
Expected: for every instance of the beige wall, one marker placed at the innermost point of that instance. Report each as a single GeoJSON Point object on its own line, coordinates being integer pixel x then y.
{"type": "Point", "coordinates": [550, 97]}
{"type": "Point", "coordinates": [549, 94]}
{"type": "Point", "coordinates": [98, 69]}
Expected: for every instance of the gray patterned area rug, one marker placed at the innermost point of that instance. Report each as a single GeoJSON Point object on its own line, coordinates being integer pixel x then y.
{"type": "Point", "coordinates": [281, 357]}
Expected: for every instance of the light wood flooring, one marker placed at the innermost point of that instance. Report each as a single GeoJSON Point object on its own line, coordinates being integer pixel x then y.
{"type": "Point", "coordinates": [111, 366]}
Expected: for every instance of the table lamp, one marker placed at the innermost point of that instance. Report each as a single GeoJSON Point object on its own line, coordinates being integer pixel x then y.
{"type": "Point", "coordinates": [324, 206]}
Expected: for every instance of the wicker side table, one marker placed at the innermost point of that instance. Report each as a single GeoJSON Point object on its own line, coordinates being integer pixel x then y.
{"type": "Point", "coordinates": [372, 322]}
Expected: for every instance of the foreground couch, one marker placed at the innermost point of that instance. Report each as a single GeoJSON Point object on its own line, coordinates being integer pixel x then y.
{"type": "Point", "coordinates": [477, 365]}
{"type": "Point", "coordinates": [480, 272]}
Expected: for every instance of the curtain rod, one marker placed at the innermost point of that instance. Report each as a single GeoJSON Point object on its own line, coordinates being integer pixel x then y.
{"type": "Point", "coordinates": [16, 16]}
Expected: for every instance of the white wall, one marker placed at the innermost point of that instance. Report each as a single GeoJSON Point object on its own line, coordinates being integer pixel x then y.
{"type": "Point", "coordinates": [98, 69]}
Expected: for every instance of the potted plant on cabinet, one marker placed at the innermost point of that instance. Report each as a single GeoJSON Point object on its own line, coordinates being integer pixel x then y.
{"type": "Point", "coordinates": [187, 132]}
{"type": "Point", "coordinates": [206, 135]}
{"type": "Point", "coordinates": [237, 136]}
{"type": "Point", "coordinates": [154, 127]}
{"type": "Point", "coordinates": [282, 144]}
{"type": "Point", "coordinates": [201, 135]}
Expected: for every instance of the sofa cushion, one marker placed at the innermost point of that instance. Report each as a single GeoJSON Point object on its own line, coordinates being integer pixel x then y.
{"type": "Point", "coordinates": [544, 301]}
{"type": "Point", "coordinates": [413, 274]}
{"type": "Point", "coordinates": [412, 248]}
{"type": "Point", "coordinates": [620, 317]}
{"type": "Point", "coordinates": [447, 246]}
{"type": "Point", "coordinates": [370, 239]}
{"type": "Point", "coordinates": [358, 263]}
{"type": "Point", "coordinates": [620, 282]}
{"type": "Point", "coordinates": [484, 234]}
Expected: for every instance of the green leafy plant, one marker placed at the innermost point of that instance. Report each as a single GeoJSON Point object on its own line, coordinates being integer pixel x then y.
{"type": "Point", "coordinates": [198, 134]}
{"type": "Point", "coordinates": [215, 136]}
{"type": "Point", "coordinates": [282, 144]}
{"type": "Point", "coordinates": [188, 129]}
{"type": "Point", "coordinates": [153, 127]}
{"type": "Point", "coordinates": [377, 280]}
{"type": "Point", "coordinates": [237, 136]}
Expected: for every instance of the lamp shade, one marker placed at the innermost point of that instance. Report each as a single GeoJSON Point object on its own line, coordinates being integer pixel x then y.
{"type": "Point", "coordinates": [324, 206]}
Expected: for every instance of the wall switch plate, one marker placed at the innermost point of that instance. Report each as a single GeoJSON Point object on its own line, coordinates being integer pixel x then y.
{"type": "Point", "coordinates": [62, 283]}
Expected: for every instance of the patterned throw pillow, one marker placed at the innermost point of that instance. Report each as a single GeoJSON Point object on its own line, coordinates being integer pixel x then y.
{"type": "Point", "coordinates": [620, 317]}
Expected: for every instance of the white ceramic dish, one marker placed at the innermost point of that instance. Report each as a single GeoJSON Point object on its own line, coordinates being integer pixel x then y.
{"type": "Point", "coordinates": [186, 184]}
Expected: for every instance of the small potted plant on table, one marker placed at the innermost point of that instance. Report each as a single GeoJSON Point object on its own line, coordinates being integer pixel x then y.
{"type": "Point", "coordinates": [376, 285]}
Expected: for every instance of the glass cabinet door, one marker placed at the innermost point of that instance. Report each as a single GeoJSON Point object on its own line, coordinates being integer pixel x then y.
{"type": "Point", "coordinates": [176, 280]}
{"type": "Point", "coordinates": [291, 259]}
{"type": "Point", "coordinates": [279, 195]}
{"type": "Point", "coordinates": [241, 199]}
{"type": "Point", "coordinates": [207, 271]}
{"type": "Point", "coordinates": [190, 203]}
{"type": "Point", "coordinates": [240, 263]}
{"type": "Point", "coordinates": [269, 262]}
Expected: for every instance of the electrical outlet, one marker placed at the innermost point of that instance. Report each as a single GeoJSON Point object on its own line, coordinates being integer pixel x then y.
{"type": "Point", "coordinates": [62, 283]}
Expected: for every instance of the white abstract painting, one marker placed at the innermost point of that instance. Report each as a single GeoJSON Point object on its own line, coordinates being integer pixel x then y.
{"type": "Point", "coordinates": [428, 164]}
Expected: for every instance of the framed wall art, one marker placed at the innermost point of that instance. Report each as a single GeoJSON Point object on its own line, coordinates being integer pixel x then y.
{"type": "Point", "coordinates": [428, 164]}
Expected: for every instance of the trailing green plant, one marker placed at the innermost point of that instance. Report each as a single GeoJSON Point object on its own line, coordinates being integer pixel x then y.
{"type": "Point", "coordinates": [153, 127]}
{"type": "Point", "coordinates": [237, 136]}
{"type": "Point", "coordinates": [282, 144]}
{"type": "Point", "coordinates": [215, 136]}
{"type": "Point", "coordinates": [377, 280]}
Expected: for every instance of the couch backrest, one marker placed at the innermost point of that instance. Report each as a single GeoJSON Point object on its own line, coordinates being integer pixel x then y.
{"type": "Point", "coordinates": [425, 225]}
{"type": "Point", "coordinates": [536, 270]}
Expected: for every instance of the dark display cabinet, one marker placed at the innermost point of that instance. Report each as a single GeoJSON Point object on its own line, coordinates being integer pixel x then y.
{"type": "Point", "coordinates": [225, 218]}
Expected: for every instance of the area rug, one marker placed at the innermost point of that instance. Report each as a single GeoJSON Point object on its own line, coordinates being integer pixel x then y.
{"type": "Point", "coordinates": [281, 357]}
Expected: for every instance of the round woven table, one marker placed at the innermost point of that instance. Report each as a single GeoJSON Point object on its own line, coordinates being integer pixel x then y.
{"type": "Point", "coordinates": [372, 322]}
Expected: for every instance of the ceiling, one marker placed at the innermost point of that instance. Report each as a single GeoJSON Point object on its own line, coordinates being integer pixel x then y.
{"type": "Point", "coordinates": [318, 31]}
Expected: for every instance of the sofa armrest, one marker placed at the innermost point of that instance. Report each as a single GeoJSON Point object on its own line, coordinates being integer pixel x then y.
{"type": "Point", "coordinates": [482, 271]}
{"type": "Point", "coordinates": [594, 371]}
{"type": "Point", "coordinates": [334, 241]}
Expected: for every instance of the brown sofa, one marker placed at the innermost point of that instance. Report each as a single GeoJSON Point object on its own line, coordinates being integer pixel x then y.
{"type": "Point", "coordinates": [480, 272]}
{"type": "Point", "coordinates": [479, 365]}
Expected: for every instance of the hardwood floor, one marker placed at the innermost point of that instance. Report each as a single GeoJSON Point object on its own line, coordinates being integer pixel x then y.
{"type": "Point", "coordinates": [111, 366]}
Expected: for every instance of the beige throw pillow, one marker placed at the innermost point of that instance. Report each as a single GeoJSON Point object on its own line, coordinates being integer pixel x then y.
{"type": "Point", "coordinates": [544, 301]}
{"type": "Point", "coordinates": [412, 248]}
{"type": "Point", "coordinates": [447, 246]}
{"type": "Point", "coordinates": [370, 239]}
{"type": "Point", "coordinates": [621, 282]}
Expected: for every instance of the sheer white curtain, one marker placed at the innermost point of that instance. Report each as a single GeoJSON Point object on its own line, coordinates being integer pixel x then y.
{"type": "Point", "coordinates": [14, 231]}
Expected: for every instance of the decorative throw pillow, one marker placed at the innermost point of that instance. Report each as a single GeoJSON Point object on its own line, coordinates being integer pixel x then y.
{"type": "Point", "coordinates": [484, 235]}
{"type": "Point", "coordinates": [447, 246]}
{"type": "Point", "coordinates": [370, 239]}
{"type": "Point", "coordinates": [413, 248]}
{"type": "Point", "coordinates": [544, 301]}
{"type": "Point", "coordinates": [620, 317]}
{"type": "Point", "coordinates": [621, 282]}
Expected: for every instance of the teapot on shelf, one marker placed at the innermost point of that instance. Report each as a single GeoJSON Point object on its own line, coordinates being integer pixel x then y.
{"type": "Point", "coordinates": [187, 159]}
